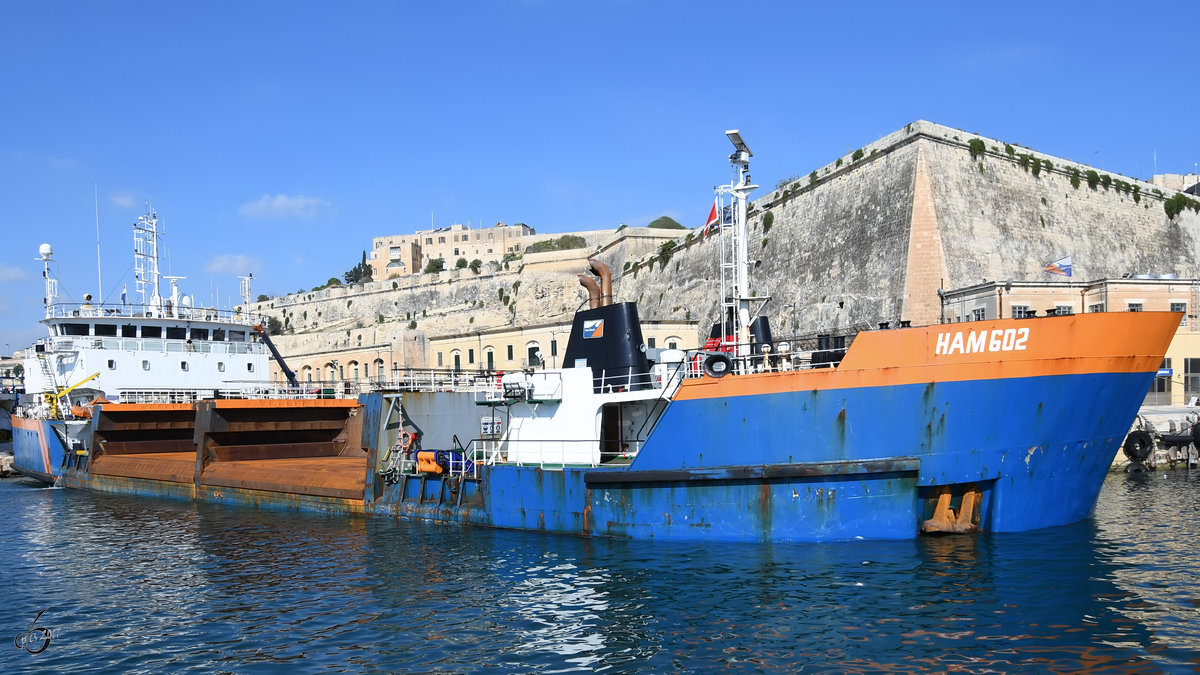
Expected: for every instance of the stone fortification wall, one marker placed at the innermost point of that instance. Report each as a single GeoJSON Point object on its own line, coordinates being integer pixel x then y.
{"type": "Point", "coordinates": [865, 239]}
{"type": "Point", "coordinates": [1000, 220]}
{"type": "Point", "coordinates": [872, 238]}
{"type": "Point", "coordinates": [540, 288]}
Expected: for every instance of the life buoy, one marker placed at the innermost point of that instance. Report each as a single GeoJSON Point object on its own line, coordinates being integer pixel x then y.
{"type": "Point", "coordinates": [717, 365]}
{"type": "Point", "coordinates": [1138, 445]}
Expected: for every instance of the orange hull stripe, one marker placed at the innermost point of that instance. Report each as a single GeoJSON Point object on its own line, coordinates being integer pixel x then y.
{"type": "Point", "coordinates": [1082, 344]}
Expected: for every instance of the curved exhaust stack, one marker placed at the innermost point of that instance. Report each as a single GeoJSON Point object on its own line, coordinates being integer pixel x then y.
{"type": "Point", "coordinates": [593, 290]}
{"type": "Point", "coordinates": [601, 270]}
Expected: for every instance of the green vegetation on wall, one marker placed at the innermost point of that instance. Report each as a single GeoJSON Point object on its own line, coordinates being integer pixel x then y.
{"type": "Point", "coordinates": [563, 243]}
{"type": "Point", "coordinates": [666, 223]}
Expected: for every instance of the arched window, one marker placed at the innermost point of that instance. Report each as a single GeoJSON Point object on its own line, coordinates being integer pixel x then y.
{"type": "Point", "coordinates": [456, 359]}
{"type": "Point", "coordinates": [379, 374]}
{"type": "Point", "coordinates": [533, 354]}
{"type": "Point", "coordinates": [354, 370]}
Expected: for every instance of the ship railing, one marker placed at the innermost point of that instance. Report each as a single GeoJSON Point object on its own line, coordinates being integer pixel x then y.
{"type": "Point", "coordinates": [552, 453]}
{"type": "Point", "coordinates": [157, 345]}
{"type": "Point", "coordinates": [437, 380]}
{"type": "Point", "coordinates": [534, 386]}
{"type": "Point", "coordinates": [91, 310]}
{"type": "Point", "coordinates": [664, 377]}
{"type": "Point", "coordinates": [807, 352]}
{"type": "Point", "coordinates": [247, 391]}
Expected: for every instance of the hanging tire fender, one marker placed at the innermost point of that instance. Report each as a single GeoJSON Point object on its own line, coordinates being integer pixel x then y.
{"type": "Point", "coordinates": [717, 365]}
{"type": "Point", "coordinates": [1138, 445]}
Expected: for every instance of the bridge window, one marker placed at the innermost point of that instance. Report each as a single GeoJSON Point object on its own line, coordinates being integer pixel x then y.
{"type": "Point", "coordinates": [106, 330]}
{"type": "Point", "coordinates": [176, 333]}
{"type": "Point", "coordinates": [199, 333]}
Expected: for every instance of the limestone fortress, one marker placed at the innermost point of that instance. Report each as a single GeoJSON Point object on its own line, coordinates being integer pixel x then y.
{"type": "Point", "coordinates": [870, 238]}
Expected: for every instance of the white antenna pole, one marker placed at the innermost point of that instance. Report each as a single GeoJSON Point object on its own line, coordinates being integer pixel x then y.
{"type": "Point", "coordinates": [99, 280]}
{"type": "Point", "coordinates": [740, 190]}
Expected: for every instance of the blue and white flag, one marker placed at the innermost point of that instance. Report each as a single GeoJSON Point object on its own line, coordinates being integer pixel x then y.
{"type": "Point", "coordinates": [124, 290]}
{"type": "Point", "coordinates": [1061, 266]}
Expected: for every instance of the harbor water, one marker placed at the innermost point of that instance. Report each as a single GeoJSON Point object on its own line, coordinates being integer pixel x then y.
{"type": "Point", "coordinates": [128, 585]}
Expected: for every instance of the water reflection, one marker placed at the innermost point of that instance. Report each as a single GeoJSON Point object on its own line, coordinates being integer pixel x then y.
{"type": "Point", "coordinates": [151, 585]}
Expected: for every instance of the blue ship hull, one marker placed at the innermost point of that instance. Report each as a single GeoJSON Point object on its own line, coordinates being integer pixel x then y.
{"type": "Point", "coordinates": [37, 450]}
{"type": "Point", "coordinates": [819, 465]}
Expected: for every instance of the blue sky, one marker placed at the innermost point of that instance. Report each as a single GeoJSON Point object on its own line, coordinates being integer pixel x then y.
{"type": "Point", "coordinates": [279, 137]}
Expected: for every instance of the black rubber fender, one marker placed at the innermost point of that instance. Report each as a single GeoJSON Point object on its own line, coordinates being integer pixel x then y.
{"type": "Point", "coordinates": [1196, 435]}
{"type": "Point", "coordinates": [717, 365]}
{"type": "Point", "coordinates": [1138, 445]}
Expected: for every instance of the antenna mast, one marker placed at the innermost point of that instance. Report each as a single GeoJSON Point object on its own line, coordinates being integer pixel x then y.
{"type": "Point", "coordinates": [47, 254]}
{"type": "Point", "coordinates": [736, 300]}
{"type": "Point", "coordinates": [145, 257]}
{"type": "Point", "coordinates": [99, 279]}
{"type": "Point", "coordinates": [245, 289]}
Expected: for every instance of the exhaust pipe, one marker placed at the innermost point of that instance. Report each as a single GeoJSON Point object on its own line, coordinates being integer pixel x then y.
{"type": "Point", "coordinates": [592, 289]}
{"type": "Point", "coordinates": [601, 270]}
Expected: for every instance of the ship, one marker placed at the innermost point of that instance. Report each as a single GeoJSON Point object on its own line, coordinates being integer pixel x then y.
{"type": "Point", "coordinates": [983, 426]}
{"type": "Point", "coordinates": [157, 348]}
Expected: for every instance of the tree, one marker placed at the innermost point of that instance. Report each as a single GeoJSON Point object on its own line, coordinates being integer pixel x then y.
{"type": "Point", "coordinates": [274, 326]}
{"type": "Point", "coordinates": [475, 265]}
{"type": "Point", "coordinates": [435, 265]}
{"type": "Point", "coordinates": [666, 223]}
{"type": "Point", "coordinates": [263, 297]}
{"type": "Point", "coordinates": [359, 273]}
{"type": "Point", "coordinates": [461, 264]}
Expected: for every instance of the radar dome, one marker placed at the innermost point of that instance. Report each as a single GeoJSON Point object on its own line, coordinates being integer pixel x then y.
{"type": "Point", "coordinates": [45, 251]}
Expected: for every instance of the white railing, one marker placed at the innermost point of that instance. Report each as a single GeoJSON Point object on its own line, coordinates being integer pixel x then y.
{"type": "Point", "coordinates": [89, 310]}
{"type": "Point", "coordinates": [252, 391]}
{"type": "Point", "coordinates": [154, 345]}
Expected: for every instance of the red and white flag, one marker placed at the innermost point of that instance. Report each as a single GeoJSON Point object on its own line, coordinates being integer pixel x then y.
{"type": "Point", "coordinates": [712, 219]}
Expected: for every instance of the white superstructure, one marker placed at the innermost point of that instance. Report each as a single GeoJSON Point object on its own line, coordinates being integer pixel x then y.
{"type": "Point", "coordinates": [157, 349]}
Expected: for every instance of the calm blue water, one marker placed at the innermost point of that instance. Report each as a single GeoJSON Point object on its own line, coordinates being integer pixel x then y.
{"type": "Point", "coordinates": [135, 586]}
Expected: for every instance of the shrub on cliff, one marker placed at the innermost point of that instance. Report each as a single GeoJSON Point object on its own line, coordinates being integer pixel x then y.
{"type": "Point", "coordinates": [563, 243]}
{"type": "Point", "coordinates": [666, 223]}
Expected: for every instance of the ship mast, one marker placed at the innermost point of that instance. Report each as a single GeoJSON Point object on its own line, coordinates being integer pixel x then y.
{"type": "Point", "coordinates": [145, 258]}
{"type": "Point", "coordinates": [46, 252]}
{"type": "Point", "coordinates": [736, 300]}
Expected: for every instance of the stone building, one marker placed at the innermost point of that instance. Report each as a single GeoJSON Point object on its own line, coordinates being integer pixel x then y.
{"type": "Point", "coordinates": [403, 254]}
{"type": "Point", "coordinates": [1179, 379]}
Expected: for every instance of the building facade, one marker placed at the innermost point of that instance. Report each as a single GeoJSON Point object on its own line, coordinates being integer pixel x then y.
{"type": "Point", "coordinates": [399, 255]}
{"type": "Point", "coordinates": [1178, 382]}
